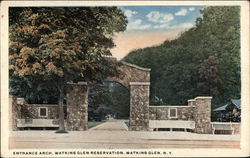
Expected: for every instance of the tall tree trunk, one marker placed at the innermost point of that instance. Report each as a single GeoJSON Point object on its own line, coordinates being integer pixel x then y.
{"type": "Point", "coordinates": [61, 111]}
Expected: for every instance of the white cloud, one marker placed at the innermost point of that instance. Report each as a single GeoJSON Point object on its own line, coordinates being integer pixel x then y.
{"type": "Point", "coordinates": [136, 22]}
{"type": "Point", "coordinates": [162, 26]}
{"type": "Point", "coordinates": [183, 25]}
{"type": "Point", "coordinates": [137, 25]}
{"type": "Point", "coordinates": [179, 26]}
{"type": "Point", "coordinates": [181, 12]}
{"type": "Point", "coordinates": [143, 27]}
{"type": "Point", "coordinates": [158, 17]}
{"type": "Point", "coordinates": [186, 25]}
{"type": "Point", "coordinates": [130, 13]}
{"type": "Point", "coordinates": [191, 9]}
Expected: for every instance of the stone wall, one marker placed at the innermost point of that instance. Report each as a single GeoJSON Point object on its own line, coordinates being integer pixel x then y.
{"type": "Point", "coordinates": [14, 113]}
{"type": "Point", "coordinates": [139, 106]}
{"type": "Point", "coordinates": [77, 107]}
{"type": "Point", "coordinates": [197, 110]}
{"type": "Point", "coordinates": [162, 112]}
{"type": "Point", "coordinates": [31, 111]}
{"type": "Point", "coordinates": [130, 73]}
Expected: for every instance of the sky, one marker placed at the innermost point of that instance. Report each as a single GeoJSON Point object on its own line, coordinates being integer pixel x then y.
{"type": "Point", "coordinates": [152, 25]}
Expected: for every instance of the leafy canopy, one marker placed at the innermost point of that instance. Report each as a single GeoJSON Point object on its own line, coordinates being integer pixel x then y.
{"type": "Point", "coordinates": [50, 46]}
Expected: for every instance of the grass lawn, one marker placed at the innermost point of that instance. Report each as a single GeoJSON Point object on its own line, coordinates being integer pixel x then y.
{"type": "Point", "coordinates": [93, 124]}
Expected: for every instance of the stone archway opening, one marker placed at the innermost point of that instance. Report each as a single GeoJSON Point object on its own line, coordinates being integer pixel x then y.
{"type": "Point", "coordinates": [108, 100]}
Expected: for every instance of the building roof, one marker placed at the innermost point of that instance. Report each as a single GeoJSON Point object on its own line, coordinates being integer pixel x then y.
{"type": "Point", "coordinates": [222, 108]}
{"type": "Point", "coordinates": [236, 102]}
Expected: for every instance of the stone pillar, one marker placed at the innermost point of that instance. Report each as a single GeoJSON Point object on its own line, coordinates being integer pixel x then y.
{"type": "Point", "coordinates": [139, 106]}
{"type": "Point", "coordinates": [77, 107]}
{"type": "Point", "coordinates": [191, 102]}
{"type": "Point", "coordinates": [202, 115]}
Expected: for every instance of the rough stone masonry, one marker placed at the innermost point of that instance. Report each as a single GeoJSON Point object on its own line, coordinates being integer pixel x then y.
{"type": "Point", "coordinates": [139, 106]}
{"type": "Point", "coordinates": [77, 106]}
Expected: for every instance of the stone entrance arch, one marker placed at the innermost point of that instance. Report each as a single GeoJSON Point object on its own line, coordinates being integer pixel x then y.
{"type": "Point", "coordinates": [196, 116]}
{"type": "Point", "coordinates": [136, 78]}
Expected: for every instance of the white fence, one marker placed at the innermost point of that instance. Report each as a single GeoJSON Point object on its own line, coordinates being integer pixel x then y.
{"type": "Point", "coordinates": [232, 127]}
{"type": "Point", "coordinates": [171, 124]}
{"type": "Point", "coordinates": [21, 123]}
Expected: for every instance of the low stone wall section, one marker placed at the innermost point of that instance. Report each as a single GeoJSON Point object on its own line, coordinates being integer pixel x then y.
{"type": "Point", "coordinates": [14, 113]}
{"type": "Point", "coordinates": [162, 112]}
{"type": "Point", "coordinates": [31, 111]}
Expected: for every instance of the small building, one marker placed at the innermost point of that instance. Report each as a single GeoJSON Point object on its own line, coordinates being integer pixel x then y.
{"type": "Point", "coordinates": [230, 112]}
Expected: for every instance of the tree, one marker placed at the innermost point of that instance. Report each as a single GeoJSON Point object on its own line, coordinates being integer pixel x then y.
{"type": "Point", "coordinates": [120, 97]}
{"type": "Point", "coordinates": [31, 92]}
{"type": "Point", "coordinates": [99, 101]}
{"type": "Point", "coordinates": [209, 79]}
{"type": "Point", "coordinates": [52, 46]}
{"type": "Point", "coordinates": [175, 64]}
{"type": "Point", "coordinates": [109, 98]}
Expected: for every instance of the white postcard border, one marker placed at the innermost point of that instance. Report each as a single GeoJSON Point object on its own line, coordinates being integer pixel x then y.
{"type": "Point", "coordinates": [245, 86]}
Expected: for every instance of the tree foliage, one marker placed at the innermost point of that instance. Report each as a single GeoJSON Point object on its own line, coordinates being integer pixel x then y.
{"type": "Point", "coordinates": [209, 80]}
{"type": "Point", "coordinates": [207, 54]}
{"type": "Point", "coordinates": [109, 98]}
{"type": "Point", "coordinates": [52, 46]}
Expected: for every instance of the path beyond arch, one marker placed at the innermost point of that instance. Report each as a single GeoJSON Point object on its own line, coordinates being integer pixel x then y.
{"type": "Point", "coordinates": [111, 125]}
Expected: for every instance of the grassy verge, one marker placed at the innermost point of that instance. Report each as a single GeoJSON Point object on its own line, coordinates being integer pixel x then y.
{"type": "Point", "coordinates": [93, 124]}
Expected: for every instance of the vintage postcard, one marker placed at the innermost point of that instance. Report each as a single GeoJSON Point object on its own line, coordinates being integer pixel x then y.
{"type": "Point", "coordinates": [124, 78]}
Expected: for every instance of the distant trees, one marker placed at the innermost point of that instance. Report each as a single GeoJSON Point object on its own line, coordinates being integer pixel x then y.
{"type": "Point", "coordinates": [204, 60]}
{"type": "Point", "coordinates": [52, 46]}
{"type": "Point", "coordinates": [109, 98]}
